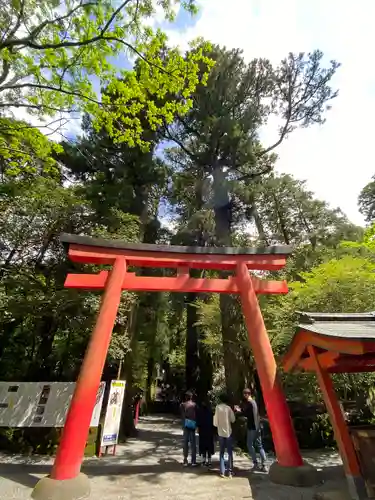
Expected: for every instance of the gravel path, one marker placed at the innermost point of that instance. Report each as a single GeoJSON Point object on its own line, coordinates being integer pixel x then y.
{"type": "Point", "coordinates": [149, 467]}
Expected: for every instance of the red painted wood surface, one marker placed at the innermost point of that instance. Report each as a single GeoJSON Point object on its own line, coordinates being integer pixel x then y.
{"type": "Point", "coordinates": [94, 255]}
{"type": "Point", "coordinates": [340, 428]}
{"type": "Point", "coordinates": [136, 417]}
{"type": "Point", "coordinates": [73, 441]}
{"type": "Point", "coordinates": [181, 283]}
{"type": "Point", "coordinates": [294, 358]}
{"type": "Point", "coordinates": [284, 438]}
{"type": "Point", "coordinates": [326, 360]}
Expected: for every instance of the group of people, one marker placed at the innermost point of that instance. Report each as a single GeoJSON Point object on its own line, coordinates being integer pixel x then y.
{"type": "Point", "coordinates": [202, 418]}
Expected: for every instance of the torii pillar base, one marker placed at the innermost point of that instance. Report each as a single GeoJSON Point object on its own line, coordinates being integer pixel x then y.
{"type": "Point", "coordinates": [77, 488]}
{"type": "Point", "coordinates": [305, 475]}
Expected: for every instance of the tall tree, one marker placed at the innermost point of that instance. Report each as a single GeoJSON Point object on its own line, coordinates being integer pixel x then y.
{"type": "Point", "coordinates": [195, 227]}
{"type": "Point", "coordinates": [366, 201]}
{"type": "Point", "coordinates": [290, 214]}
{"type": "Point", "coordinates": [131, 181]}
{"type": "Point", "coordinates": [36, 310]}
{"type": "Point", "coordinates": [220, 136]}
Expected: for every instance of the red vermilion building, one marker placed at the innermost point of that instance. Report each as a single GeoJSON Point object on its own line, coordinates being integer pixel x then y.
{"type": "Point", "coordinates": [328, 343]}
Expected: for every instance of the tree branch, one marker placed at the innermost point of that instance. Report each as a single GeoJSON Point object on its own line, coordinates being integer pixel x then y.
{"type": "Point", "coordinates": [19, 18]}
{"type": "Point", "coordinates": [29, 41]}
{"type": "Point", "coordinates": [39, 107]}
{"type": "Point", "coordinates": [5, 72]}
{"type": "Point", "coordinates": [180, 144]}
{"type": "Point", "coordinates": [10, 32]}
{"type": "Point", "coordinates": [41, 27]}
{"type": "Point", "coordinates": [49, 87]}
{"type": "Point", "coordinates": [267, 169]}
{"type": "Point", "coordinates": [15, 127]}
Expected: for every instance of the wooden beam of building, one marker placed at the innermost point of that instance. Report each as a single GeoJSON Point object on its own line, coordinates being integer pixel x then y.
{"type": "Point", "coordinates": [180, 283]}
{"type": "Point", "coordinates": [326, 360]}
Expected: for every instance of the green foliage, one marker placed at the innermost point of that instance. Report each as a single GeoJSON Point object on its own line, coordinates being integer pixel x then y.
{"type": "Point", "coordinates": [291, 214]}
{"type": "Point", "coordinates": [53, 56]}
{"type": "Point", "coordinates": [149, 91]}
{"type": "Point", "coordinates": [44, 326]}
{"type": "Point", "coordinates": [344, 284]}
{"type": "Point", "coordinates": [323, 426]}
{"type": "Point", "coordinates": [340, 285]}
{"type": "Point", "coordinates": [371, 400]}
{"type": "Point", "coordinates": [25, 150]}
{"type": "Point", "coordinates": [40, 440]}
{"type": "Point", "coordinates": [366, 201]}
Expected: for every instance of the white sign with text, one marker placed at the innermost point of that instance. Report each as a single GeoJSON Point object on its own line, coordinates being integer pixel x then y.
{"type": "Point", "coordinates": [113, 414]}
{"type": "Point", "coordinates": [40, 404]}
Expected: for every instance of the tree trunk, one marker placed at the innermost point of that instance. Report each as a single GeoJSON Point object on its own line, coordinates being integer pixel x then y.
{"type": "Point", "coordinates": [205, 369]}
{"type": "Point", "coordinates": [127, 421]}
{"type": "Point", "coordinates": [191, 355]}
{"type": "Point", "coordinates": [282, 222]}
{"type": "Point", "coordinates": [150, 376]}
{"type": "Point", "coordinates": [259, 225]}
{"type": "Point", "coordinates": [7, 331]}
{"type": "Point", "coordinates": [42, 366]}
{"type": "Point", "coordinates": [223, 220]}
{"type": "Point", "coordinates": [148, 230]}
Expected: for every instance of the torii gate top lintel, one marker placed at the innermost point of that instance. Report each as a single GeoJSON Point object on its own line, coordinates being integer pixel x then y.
{"type": "Point", "coordinates": [85, 249]}
{"type": "Point", "coordinates": [102, 251]}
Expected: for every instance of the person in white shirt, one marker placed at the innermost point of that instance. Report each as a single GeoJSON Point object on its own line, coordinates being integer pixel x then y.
{"type": "Point", "coordinates": [223, 420]}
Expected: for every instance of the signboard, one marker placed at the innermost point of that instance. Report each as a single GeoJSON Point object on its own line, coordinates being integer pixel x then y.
{"type": "Point", "coordinates": [40, 404]}
{"type": "Point", "coordinates": [113, 414]}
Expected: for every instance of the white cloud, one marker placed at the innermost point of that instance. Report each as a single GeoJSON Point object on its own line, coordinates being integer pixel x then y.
{"type": "Point", "coordinates": [336, 158]}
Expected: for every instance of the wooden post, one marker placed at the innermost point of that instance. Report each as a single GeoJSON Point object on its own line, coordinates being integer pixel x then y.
{"type": "Point", "coordinates": [73, 441]}
{"type": "Point", "coordinates": [136, 417]}
{"type": "Point", "coordinates": [284, 438]}
{"type": "Point", "coordinates": [119, 370]}
{"type": "Point", "coordinates": [340, 429]}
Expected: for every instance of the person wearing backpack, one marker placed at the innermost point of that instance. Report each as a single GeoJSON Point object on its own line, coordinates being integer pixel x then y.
{"type": "Point", "coordinates": [189, 423]}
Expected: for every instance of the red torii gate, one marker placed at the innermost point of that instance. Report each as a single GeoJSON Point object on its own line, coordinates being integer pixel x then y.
{"type": "Point", "coordinates": [121, 256]}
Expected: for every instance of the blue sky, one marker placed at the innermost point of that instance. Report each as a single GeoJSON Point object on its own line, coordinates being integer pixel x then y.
{"type": "Point", "coordinates": [336, 158]}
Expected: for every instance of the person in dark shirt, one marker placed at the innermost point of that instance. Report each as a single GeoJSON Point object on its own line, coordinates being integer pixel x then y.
{"type": "Point", "coordinates": [249, 409]}
{"type": "Point", "coordinates": [189, 424]}
{"type": "Point", "coordinates": [206, 433]}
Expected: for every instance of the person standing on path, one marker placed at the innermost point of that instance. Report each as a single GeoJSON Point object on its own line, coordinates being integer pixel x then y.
{"type": "Point", "coordinates": [223, 420]}
{"type": "Point", "coordinates": [206, 433]}
{"type": "Point", "coordinates": [189, 425]}
{"type": "Point", "coordinates": [249, 409]}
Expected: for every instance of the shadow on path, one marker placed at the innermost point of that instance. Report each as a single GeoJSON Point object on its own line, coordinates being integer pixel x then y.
{"type": "Point", "coordinates": [151, 468]}
{"type": "Point", "coordinates": [26, 475]}
{"type": "Point", "coordinates": [260, 488]}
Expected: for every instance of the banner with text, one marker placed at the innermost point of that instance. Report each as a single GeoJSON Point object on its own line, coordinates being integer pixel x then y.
{"type": "Point", "coordinates": [113, 414]}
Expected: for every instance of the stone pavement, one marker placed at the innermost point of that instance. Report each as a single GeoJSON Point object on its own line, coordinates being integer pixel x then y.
{"type": "Point", "coordinates": [149, 467]}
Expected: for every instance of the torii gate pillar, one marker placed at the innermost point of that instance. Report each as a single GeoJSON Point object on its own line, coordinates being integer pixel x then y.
{"type": "Point", "coordinates": [66, 481]}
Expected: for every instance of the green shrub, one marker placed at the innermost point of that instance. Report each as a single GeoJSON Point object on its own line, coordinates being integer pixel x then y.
{"type": "Point", "coordinates": [40, 440]}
